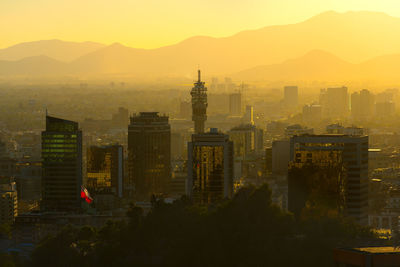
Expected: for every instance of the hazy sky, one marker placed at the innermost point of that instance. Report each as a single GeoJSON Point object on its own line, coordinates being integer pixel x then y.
{"type": "Point", "coordinates": [155, 23]}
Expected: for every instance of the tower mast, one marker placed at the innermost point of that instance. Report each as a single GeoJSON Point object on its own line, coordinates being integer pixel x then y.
{"type": "Point", "coordinates": [199, 104]}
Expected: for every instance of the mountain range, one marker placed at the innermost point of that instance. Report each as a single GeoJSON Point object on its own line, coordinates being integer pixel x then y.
{"type": "Point", "coordinates": [329, 46]}
{"type": "Point", "coordinates": [318, 65]}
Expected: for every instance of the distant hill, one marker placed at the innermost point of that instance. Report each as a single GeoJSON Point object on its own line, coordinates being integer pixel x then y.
{"type": "Point", "coordinates": [33, 66]}
{"type": "Point", "coordinates": [319, 65]}
{"type": "Point", "coordinates": [349, 38]}
{"type": "Point", "coordinates": [57, 49]}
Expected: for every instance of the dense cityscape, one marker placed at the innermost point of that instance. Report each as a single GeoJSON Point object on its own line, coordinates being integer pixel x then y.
{"type": "Point", "coordinates": [278, 146]}
{"type": "Point", "coordinates": [333, 157]}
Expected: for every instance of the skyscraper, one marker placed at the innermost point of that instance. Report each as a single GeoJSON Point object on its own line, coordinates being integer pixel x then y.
{"type": "Point", "coordinates": [61, 165]}
{"type": "Point", "coordinates": [312, 114]}
{"type": "Point", "coordinates": [338, 168]}
{"type": "Point", "coordinates": [246, 138]}
{"type": "Point", "coordinates": [121, 118]}
{"type": "Point", "coordinates": [184, 109]}
{"type": "Point", "coordinates": [362, 105]}
{"type": "Point", "coordinates": [210, 168]}
{"type": "Point", "coordinates": [249, 115]}
{"type": "Point", "coordinates": [334, 102]}
{"type": "Point", "coordinates": [149, 154]}
{"type": "Point", "coordinates": [291, 96]}
{"type": "Point", "coordinates": [199, 105]}
{"type": "Point", "coordinates": [8, 200]}
{"type": "Point", "coordinates": [105, 170]}
{"type": "Point", "coordinates": [235, 104]}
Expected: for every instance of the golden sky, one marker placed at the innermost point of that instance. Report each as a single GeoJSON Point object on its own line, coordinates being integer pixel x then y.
{"type": "Point", "coordinates": [155, 23]}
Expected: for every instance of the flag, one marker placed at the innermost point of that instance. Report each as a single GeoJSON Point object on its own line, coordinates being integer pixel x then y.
{"type": "Point", "coordinates": [85, 195]}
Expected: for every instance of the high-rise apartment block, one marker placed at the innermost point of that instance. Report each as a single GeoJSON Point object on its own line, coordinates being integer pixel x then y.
{"type": "Point", "coordinates": [149, 154]}
{"type": "Point", "coordinates": [61, 165]}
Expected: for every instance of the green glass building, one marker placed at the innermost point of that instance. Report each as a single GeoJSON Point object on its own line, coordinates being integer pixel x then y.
{"type": "Point", "coordinates": [61, 165]}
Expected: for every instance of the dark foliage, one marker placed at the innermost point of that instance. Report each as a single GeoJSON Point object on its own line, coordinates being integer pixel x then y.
{"type": "Point", "coordinates": [247, 230]}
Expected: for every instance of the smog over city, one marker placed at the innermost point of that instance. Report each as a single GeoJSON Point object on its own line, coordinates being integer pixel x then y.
{"type": "Point", "coordinates": [200, 133]}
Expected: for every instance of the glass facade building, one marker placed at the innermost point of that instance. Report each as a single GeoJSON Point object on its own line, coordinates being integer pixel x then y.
{"type": "Point", "coordinates": [61, 165]}
{"type": "Point", "coordinates": [343, 158]}
{"type": "Point", "coordinates": [210, 167]}
{"type": "Point", "coordinates": [8, 200]}
{"type": "Point", "coordinates": [149, 155]}
{"type": "Point", "coordinates": [105, 170]}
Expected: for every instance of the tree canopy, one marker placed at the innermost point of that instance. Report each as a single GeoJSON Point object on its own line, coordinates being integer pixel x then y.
{"type": "Point", "coordinates": [247, 230]}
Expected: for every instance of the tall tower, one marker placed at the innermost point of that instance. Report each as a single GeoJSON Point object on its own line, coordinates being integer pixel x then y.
{"type": "Point", "coordinates": [61, 165]}
{"type": "Point", "coordinates": [199, 105]}
{"type": "Point", "coordinates": [210, 167]}
{"type": "Point", "coordinates": [149, 154]}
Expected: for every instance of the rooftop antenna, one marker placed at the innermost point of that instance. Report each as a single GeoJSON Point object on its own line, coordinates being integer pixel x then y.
{"type": "Point", "coordinates": [199, 75]}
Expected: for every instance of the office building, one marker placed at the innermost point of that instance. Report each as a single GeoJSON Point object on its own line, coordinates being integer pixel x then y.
{"type": "Point", "coordinates": [338, 166]}
{"type": "Point", "coordinates": [372, 256]}
{"type": "Point", "coordinates": [297, 129]}
{"type": "Point", "coordinates": [312, 114]}
{"type": "Point", "coordinates": [149, 154]}
{"type": "Point", "coordinates": [339, 129]}
{"type": "Point", "coordinates": [280, 157]}
{"type": "Point", "coordinates": [248, 117]}
{"type": "Point", "coordinates": [214, 84]}
{"type": "Point", "coordinates": [61, 165]}
{"type": "Point", "coordinates": [235, 104]}
{"type": "Point", "coordinates": [246, 139]}
{"type": "Point", "coordinates": [385, 109]}
{"type": "Point", "coordinates": [120, 119]}
{"type": "Point", "coordinates": [105, 170]}
{"type": "Point", "coordinates": [334, 102]}
{"type": "Point", "coordinates": [177, 145]}
{"type": "Point", "coordinates": [199, 105]}
{"type": "Point", "coordinates": [362, 105]}
{"type": "Point", "coordinates": [210, 167]}
{"type": "Point", "coordinates": [185, 109]}
{"type": "Point", "coordinates": [291, 96]}
{"type": "Point", "coordinates": [178, 183]}
{"type": "Point", "coordinates": [29, 179]}
{"type": "Point", "coordinates": [8, 200]}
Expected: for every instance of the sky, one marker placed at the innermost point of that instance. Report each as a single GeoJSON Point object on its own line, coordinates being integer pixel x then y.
{"type": "Point", "coordinates": [156, 23]}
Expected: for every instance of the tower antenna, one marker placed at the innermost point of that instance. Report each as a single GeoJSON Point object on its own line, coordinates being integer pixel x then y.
{"type": "Point", "coordinates": [198, 75]}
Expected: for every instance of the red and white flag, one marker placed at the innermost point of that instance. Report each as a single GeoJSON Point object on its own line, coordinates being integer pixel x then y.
{"type": "Point", "coordinates": [85, 195]}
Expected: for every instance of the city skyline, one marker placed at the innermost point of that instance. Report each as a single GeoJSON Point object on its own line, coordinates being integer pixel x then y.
{"type": "Point", "coordinates": [283, 148]}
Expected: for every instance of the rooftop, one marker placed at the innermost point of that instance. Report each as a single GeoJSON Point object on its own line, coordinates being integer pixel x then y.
{"type": "Point", "coordinates": [378, 250]}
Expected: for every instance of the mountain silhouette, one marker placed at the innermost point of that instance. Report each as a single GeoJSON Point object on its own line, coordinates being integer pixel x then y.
{"type": "Point", "coordinates": [57, 49]}
{"type": "Point", "coordinates": [348, 39]}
